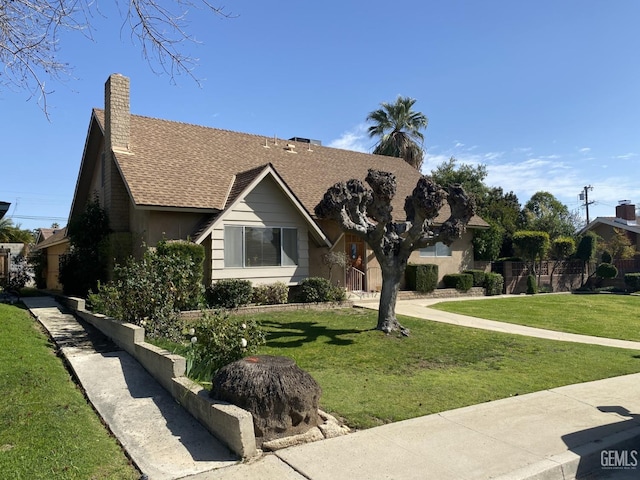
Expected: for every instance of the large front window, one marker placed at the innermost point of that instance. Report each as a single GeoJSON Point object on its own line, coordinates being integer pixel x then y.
{"type": "Point", "coordinates": [437, 250]}
{"type": "Point", "coordinates": [260, 246]}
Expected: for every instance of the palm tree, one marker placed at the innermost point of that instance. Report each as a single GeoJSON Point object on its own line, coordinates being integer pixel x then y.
{"type": "Point", "coordinates": [399, 130]}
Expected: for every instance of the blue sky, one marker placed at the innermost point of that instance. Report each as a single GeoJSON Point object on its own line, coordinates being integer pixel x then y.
{"type": "Point", "coordinates": [546, 94]}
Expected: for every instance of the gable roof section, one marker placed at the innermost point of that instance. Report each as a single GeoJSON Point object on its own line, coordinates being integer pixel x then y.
{"type": "Point", "coordinates": [178, 165]}
{"type": "Point", "coordinates": [610, 221]}
{"type": "Point", "coordinates": [58, 237]}
{"type": "Point", "coordinates": [243, 184]}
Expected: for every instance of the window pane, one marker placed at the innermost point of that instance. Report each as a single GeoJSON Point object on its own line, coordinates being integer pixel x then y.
{"type": "Point", "coordinates": [442, 250]}
{"type": "Point", "coordinates": [262, 247]}
{"type": "Point", "coordinates": [289, 246]}
{"type": "Point", "coordinates": [429, 251]}
{"type": "Point", "coordinates": [233, 246]}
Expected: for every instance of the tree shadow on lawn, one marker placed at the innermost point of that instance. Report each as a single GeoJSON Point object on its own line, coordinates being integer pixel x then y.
{"type": "Point", "coordinates": [296, 334]}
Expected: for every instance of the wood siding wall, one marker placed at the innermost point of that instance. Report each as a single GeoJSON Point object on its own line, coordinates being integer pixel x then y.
{"type": "Point", "coordinates": [265, 206]}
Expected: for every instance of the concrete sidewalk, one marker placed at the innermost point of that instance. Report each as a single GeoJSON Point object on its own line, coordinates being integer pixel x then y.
{"type": "Point", "coordinates": [161, 438]}
{"type": "Point", "coordinates": [419, 308]}
{"type": "Point", "coordinates": [577, 430]}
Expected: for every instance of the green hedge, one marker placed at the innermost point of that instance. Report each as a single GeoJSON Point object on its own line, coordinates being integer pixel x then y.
{"type": "Point", "coordinates": [494, 284]}
{"type": "Point", "coordinates": [459, 281]}
{"type": "Point", "coordinates": [421, 278]}
{"type": "Point", "coordinates": [478, 277]}
{"type": "Point", "coordinates": [271, 294]}
{"type": "Point", "coordinates": [632, 281]}
{"type": "Point", "coordinates": [318, 289]}
{"type": "Point", "coordinates": [231, 293]}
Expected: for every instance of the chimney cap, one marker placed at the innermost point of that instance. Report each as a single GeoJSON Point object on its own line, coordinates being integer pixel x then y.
{"type": "Point", "coordinates": [624, 202]}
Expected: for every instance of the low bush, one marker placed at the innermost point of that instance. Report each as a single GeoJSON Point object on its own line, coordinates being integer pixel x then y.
{"type": "Point", "coordinates": [532, 285]}
{"type": "Point", "coordinates": [421, 278]}
{"type": "Point", "coordinates": [148, 292]}
{"type": "Point", "coordinates": [606, 270]}
{"type": "Point", "coordinates": [632, 281]}
{"type": "Point", "coordinates": [459, 281]}
{"type": "Point", "coordinates": [318, 289]}
{"type": "Point", "coordinates": [494, 284]}
{"type": "Point", "coordinates": [271, 294]}
{"type": "Point", "coordinates": [217, 339]}
{"type": "Point", "coordinates": [229, 293]}
{"type": "Point", "coordinates": [478, 277]}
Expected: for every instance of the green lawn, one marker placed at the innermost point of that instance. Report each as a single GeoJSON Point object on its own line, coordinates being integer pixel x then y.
{"type": "Point", "coordinates": [47, 428]}
{"type": "Point", "coordinates": [369, 378]}
{"type": "Point", "coordinates": [603, 315]}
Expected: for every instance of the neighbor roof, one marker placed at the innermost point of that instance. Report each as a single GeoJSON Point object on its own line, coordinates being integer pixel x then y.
{"type": "Point", "coordinates": [178, 165]}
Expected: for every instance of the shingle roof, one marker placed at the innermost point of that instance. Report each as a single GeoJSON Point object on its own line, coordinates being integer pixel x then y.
{"type": "Point", "coordinates": [175, 164]}
{"type": "Point", "coordinates": [58, 236]}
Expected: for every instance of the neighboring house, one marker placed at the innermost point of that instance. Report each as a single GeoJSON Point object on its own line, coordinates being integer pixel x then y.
{"type": "Point", "coordinates": [248, 199]}
{"type": "Point", "coordinates": [54, 246]}
{"type": "Point", "coordinates": [41, 234]}
{"type": "Point", "coordinates": [625, 220]}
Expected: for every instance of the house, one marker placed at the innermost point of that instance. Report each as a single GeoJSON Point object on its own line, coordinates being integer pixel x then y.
{"type": "Point", "coordinates": [248, 199]}
{"type": "Point", "coordinates": [52, 247]}
{"type": "Point", "coordinates": [625, 221]}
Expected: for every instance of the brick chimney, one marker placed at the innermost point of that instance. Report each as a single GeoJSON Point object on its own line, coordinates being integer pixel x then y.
{"type": "Point", "coordinates": [626, 212]}
{"type": "Point", "coordinates": [117, 113]}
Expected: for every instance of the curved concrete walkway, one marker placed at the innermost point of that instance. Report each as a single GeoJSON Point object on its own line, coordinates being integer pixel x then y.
{"type": "Point", "coordinates": [420, 309]}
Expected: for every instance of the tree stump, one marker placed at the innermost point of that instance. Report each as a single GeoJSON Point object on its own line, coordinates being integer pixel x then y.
{"type": "Point", "coordinates": [282, 397]}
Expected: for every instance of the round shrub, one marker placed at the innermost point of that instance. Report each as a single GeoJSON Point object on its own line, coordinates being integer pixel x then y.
{"type": "Point", "coordinates": [459, 281]}
{"type": "Point", "coordinates": [217, 339]}
{"type": "Point", "coordinates": [606, 257]}
{"type": "Point", "coordinates": [632, 281]}
{"type": "Point", "coordinates": [493, 283]}
{"type": "Point", "coordinates": [229, 293]}
{"type": "Point", "coordinates": [532, 285]}
{"type": "Point", "coordinates": [606, 270]}
{"type": "Point", "coordinates": [318, 289]}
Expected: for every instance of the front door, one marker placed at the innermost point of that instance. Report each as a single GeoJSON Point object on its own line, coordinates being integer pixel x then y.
{"type": "Point", "coordinates": [355, 250]}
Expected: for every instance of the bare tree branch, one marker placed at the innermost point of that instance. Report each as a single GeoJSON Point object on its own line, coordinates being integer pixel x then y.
{"type": "Point", "coordinates": [30, 38]}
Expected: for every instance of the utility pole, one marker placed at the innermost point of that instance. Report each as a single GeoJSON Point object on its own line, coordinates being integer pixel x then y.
{"type": "Point", "coordinates": [584, 196]}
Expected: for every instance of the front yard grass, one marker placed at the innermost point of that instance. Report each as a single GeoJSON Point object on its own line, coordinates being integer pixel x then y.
{"type": "Point", "coordinates": [602, 315]}
{"type": "Point", "coordinates": [369, 378]}
{"type": "Point", "coordinates": [47, 428]}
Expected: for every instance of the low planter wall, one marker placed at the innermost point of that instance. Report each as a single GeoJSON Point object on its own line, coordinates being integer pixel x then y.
{"type": "Point", "coordinates": [230, 424]}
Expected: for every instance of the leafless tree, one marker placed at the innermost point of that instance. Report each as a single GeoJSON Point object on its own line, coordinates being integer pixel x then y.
{"type": "Point", "coordinates": [366, 212]}
{"type": "Point", "coordinates": [30, 32]}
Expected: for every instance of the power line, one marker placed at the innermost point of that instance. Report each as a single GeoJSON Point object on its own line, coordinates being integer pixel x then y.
{"type": "Point", "coordinates": [584, 196]}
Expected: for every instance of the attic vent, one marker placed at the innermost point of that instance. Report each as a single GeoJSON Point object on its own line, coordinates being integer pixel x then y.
{"type": "Point", "coordinates": [266, 144]}
{"type": "Point", "coordinates": [290, 147]}
{"type": "Point", "coordinates": [306, 140]}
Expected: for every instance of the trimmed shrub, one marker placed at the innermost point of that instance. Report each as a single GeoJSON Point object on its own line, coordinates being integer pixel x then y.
{"type": "Point", "coordinates": [606, 270]}
{"type": "Point", "coordinates": [493, 283]}
{"type": "Point", "coordinates": [532, 285]}
{"type": "Point", "coordinates": [187, 282]}
{"type": "Point", "coordinates": [318, 289]}
{"type": "Point", "coordinates": [605, 257]}
{"type": "Point", "coordinates": [421, 278]}
{"type": "Point", "coordinates": [230, 293]}
{"type": "Point", "coordinates": [272, 294]}
{"type": "Point", "coordinates": [217, 339]}
{"type": "Point", "coordinates": [478, 277]}
{"type": "Point", "coordinates": [632, 281]}
{"type": "Point", "coordinates": [147, 293]}
{"type": "Point", "coordinates": [459, 281]}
